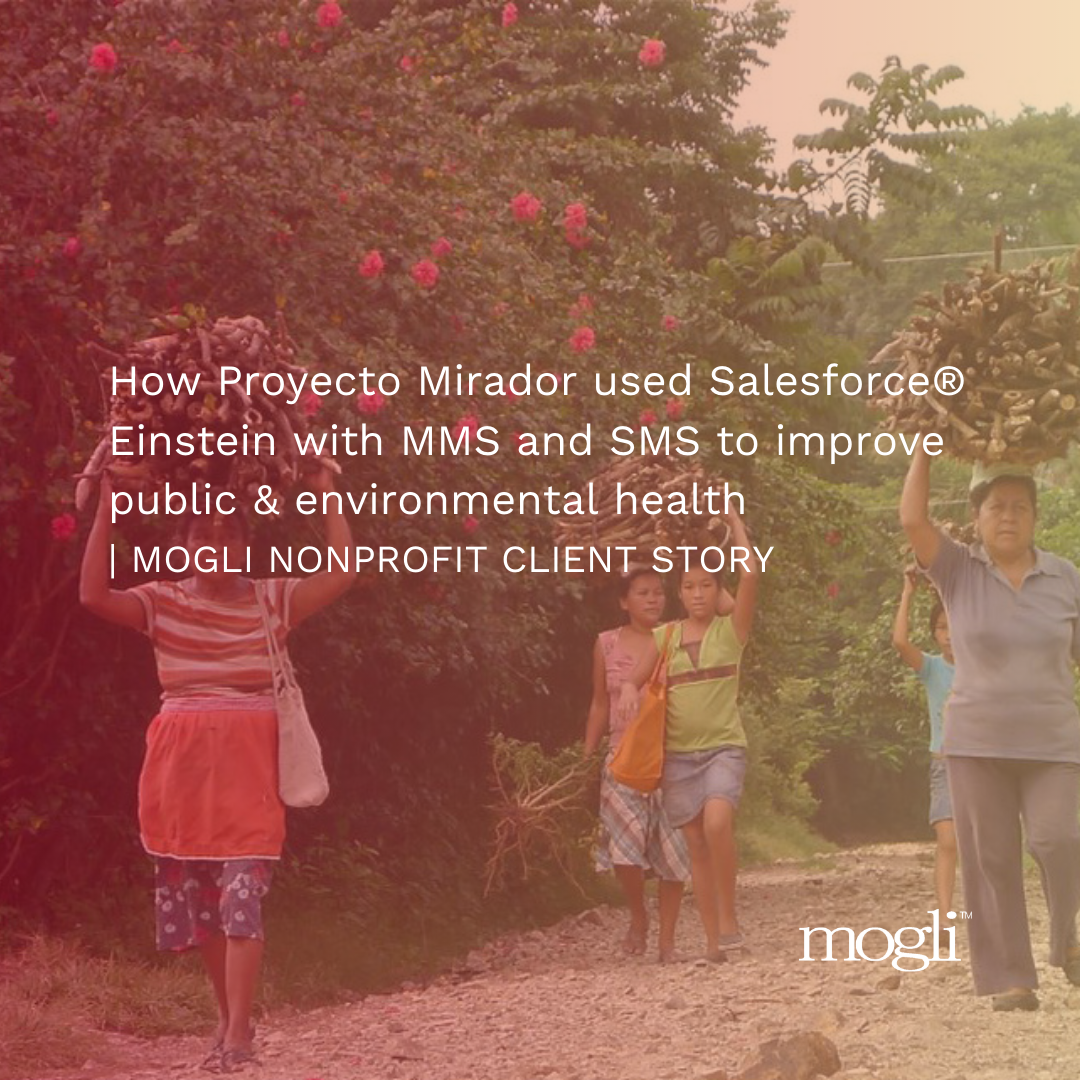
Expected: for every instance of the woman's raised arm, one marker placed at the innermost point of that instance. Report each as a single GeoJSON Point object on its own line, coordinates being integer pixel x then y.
{"type": "Point", "coordinates": [742, 615]}
{"type": "Point", "coordinates": [96, 593]}
{"type": "Point", "coordinates": [323, 588]}
{"type": "Point", "coordinates": [915, 509]}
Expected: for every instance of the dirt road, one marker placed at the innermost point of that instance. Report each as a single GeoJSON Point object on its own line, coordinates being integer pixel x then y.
{"type": "Point", "coordinates": [563, 1004]}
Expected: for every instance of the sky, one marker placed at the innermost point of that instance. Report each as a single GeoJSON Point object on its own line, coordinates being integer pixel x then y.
{"type": "Point", "coordinates": [1014, 53]}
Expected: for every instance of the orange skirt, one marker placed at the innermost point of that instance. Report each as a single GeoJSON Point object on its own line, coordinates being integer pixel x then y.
{"type": "Point", "coordinates": [209, 785]}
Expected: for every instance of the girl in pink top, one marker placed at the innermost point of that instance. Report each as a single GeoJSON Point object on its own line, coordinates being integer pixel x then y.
{"type": "Point", "coordinates": [636, 837]}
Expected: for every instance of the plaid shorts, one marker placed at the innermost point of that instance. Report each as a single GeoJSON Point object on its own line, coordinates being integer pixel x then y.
{"type": "Point", "coordinates": [635, 831]}
{"type": "Point", "coordinates": [196, 899]}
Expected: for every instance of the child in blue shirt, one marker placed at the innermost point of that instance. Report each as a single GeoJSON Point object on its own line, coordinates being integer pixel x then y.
{"type": "Point", "coordinates": [935, 672]}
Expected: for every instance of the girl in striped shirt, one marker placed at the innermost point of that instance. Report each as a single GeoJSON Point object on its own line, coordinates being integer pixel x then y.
{"type": "Point", "coordinates": [209, 810]}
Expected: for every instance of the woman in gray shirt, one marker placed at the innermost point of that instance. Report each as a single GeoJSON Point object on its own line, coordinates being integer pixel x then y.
{"type": "Point", "coordinates": [1012, 731]}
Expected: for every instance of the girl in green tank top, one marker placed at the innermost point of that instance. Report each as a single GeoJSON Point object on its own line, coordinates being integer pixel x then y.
{"type": "Point", "coordinates": [705, 747]}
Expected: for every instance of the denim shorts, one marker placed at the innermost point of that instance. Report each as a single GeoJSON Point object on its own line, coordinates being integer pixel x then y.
{"type": "Point", "coordinates": [691, 780]}
{"type": "Point", "coordinates": [940, 800]}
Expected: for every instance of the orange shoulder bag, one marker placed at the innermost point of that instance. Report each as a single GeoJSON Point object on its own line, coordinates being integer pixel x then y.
{"type": "Point", "coordinates": [639, 761]}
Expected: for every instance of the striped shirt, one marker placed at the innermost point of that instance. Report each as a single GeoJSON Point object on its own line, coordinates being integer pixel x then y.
{"type": "Point", "coordinates": [212, 648]}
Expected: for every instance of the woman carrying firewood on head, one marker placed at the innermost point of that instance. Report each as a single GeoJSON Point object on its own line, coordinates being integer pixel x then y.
{"type": "Point", "coordinates": [209, 809]}
{"type": "Point", "coordinates": [705, 745]}
{"type": "Point", "coordinates": [1012, 730]}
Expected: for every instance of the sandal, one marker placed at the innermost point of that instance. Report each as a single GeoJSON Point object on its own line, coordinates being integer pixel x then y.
{"type": "Point", "coordinates": [212, 1061]}
{"type": "Point", "coordinates": [1016, 1001]}
{"type": "Point", "coordinates": [732, 943]}
{"type": "Point", "coordinates": [234, 1060]}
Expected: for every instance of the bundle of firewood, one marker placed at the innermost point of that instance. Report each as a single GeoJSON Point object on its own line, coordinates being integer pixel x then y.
{"type": "Point", "coordinates": [1015, 338]}
{"type": "Point", "coordinates": [541, 813]}
{"type": "Point", "coordinates": [243, 343]}
{"type": "Point", "coordinates": [643, 529]}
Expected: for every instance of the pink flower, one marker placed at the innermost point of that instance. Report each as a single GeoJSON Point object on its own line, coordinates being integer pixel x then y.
{"type": "Point", "coordinates": [63, 526]}
{"type": "Point", "coordinates": [103, 57]}
{"type": "Point", "coordinates": [652, 53]}
{"type": "Point", "coordinates": [576, 238]}
{"type": "Point", "coordinates": [468, 423]}
{"type": "Point", "coordinates": [499, 309]}
{"type": "Point", "coordinates": [371, 265]}
{"type": "Point", "coordinates": [329, 15]}
{"type": "Point", "coordinates": [509, 15]}
{"type": "Point", "coordinates": [526, 207]}
{"type": "Point", "coordinates": [299, 99]}
{"type": "Point", "coordinates": [674, 408]}
{"type": "Point", "coordinates": [582, 339]}
{"type": "Point", "coordinates": [575, 216]}
{"type": "Point", "coordinates": [310, 403]}
{"type": "Point", "coordinates": [647, 418]}
{"type": "Point", "coordinates": [670, 322]}
{"type": "Point", "coordinates": [470, 524]}
{"type": "Point", "coordinates": [581, 305]}
{"type": "Point", "coordinates": [52, 118]}
{"type": "Point", "coordinates": [441, 248]}
{"type": "Point", "coordinates": [408, 64]}
{"type": "Point", "coordinates": [575, 222]}
{"type": "Point", "coordinates": [832, 590]}
{"type": "Point", "coordinates": [425, 273]}
{"type": "Point", "coordinates": [175, 46]}
{"type": "Point", "coordinates": [72, 247]}
{"type": "Point", "coordinates": [283, 39]}
{"type": "Point", "coordinates": [833, 537]}
{"type": "Point", "coordinates": [369, 402]}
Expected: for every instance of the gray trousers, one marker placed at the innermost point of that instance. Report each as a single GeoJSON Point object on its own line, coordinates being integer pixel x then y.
{"type": "Point", "coordinates": [991, 797]}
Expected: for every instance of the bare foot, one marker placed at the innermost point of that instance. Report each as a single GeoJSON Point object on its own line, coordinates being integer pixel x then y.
{"type": "Point", "coordinates": [636, 938]}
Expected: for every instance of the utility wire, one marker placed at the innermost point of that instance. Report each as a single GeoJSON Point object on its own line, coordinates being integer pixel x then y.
{"type": "Point", "coordinates": [945, 255]}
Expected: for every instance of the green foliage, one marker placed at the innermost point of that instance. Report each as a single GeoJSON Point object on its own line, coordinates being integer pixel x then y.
{"type": "Point", "coordinates": [246, 161]}
{"type": "Point", "coordinates": [868, 157]}
{"type": "Point", "coordinates": [1021, 177]}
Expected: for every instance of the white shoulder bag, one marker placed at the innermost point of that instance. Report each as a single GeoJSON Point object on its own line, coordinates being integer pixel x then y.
{"type": "Point", "coordinates": [301, 776]}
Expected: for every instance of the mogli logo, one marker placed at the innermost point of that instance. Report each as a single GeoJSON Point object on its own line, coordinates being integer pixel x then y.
{"type": "Point", "coordinates": [895, 944]}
